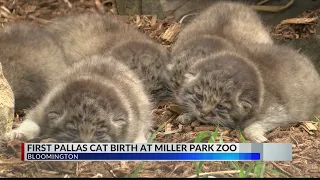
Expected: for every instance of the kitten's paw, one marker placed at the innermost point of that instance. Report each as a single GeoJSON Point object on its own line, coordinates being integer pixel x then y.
{"type": "Point", "coordinates": [258, 138]}
{"type": "Point", "coordinates": [185, 119]}
{"type": "Point", "coordinates": [140, 140]}
{"type": "Point", "coordinates": [14, 134]}
{"type": "Point", "coordinates": [255, 135]}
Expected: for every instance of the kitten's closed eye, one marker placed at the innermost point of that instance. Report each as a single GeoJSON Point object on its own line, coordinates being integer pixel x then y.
{"type": "Point", "coordinates": [199, 96]}
{"type": "Point", "coordinates": [53, 115]}
{"type": "Point", "coordinates": [246, 105]}
{"type": "Point", "coordinates": [120, 121]}
{"type": "Point", "coordinates": [71, 129]}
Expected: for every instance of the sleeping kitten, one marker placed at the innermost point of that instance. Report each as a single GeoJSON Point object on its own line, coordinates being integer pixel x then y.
{"type": "Point", "coordinates": [98, 100]}
{"type": "Point", "coordinates": [232, 21]}
{"type": "Point", "coordinates": [84, 35]}
{"type": "Point", "coordinates": [308, 47]}
{"type": "Point", "coordinates": [87, 34]}
{"type": "Point", "coordinates": [149, 61]}
{"type": "Point", "coordinates": [205, 36]}
{"type": "Point", "coordinates": [239, 82]}
{"type": "Point", "coordinates": [31, 59]}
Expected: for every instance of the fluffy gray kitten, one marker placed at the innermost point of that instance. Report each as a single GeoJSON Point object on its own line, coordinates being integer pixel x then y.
{"type": "Point", "coordinates": [31, 59]}
{"type": "Point", "coordinates": [87, 34]}
{"type": "Point", "coordinates": [222, 76]}
{"type": "Point", "coordinates": [233, 21]}
{"type": "Point", "coordinates": [98, 100]}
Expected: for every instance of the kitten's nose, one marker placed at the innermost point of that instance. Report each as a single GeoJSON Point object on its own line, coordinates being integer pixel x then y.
{"type": "Point", "coordinates": [213, 112]}
{"type": "Point", "coordinates": [86, 139]}
{"type": "Point", "coordinates": [206, 108]}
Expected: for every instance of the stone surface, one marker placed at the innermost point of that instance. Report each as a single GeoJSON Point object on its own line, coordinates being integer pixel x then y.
{"type": "Point", "coordinates": [180, 8]}
{"type": "Point", "coordinates": [132, 7]}
{"type": "Point", "coordinates": [6, 105]}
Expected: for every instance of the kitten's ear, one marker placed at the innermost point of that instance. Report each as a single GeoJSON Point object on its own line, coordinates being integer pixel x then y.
{"type": "Point", "coordinates": [54, 118]}
{"type": "Point", "coordinates": [246, 105]}
{"type": "Point", "coordinates": [119, 121]}
{"type": "Point", "coordinates": [190, 76]}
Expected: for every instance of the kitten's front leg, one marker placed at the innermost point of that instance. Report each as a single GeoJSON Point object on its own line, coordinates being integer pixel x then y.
{"type": "Point", "coordinates": [27, 130]}
{"type": "Point", "coordinates": [274, 117]}
{"type": "Point", "coordinates": [186, 118]}
{"type": "Point", "coordinates": [256, 132]}
{"type": "Point", "coordinates": [140, 139]}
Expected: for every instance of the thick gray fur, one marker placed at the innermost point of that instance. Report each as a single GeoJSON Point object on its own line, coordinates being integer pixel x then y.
{"type": "Point", "coordinates": [87, 34]}
{"type": "Point", "coordinates": [227, 70]}
{"type": "Point", "coordinates": [98, 100]}
{"type": "Point", "coordinates": [232, 21]}
{"type": "Point", "coordinates": [31, 60]}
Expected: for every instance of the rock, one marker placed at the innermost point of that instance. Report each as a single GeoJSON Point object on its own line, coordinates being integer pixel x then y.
{"type": "Point", "coordinates": [6, 105]}
{"type": "Point", "coordinates": [179, 8]}
{"type": "Point", "coordinates": [152, 7]}
{"type": "Point", "coordinates": [294, 10]}
{"type": "Point", "coordinates": [188, 9]}
{"type": "Point", "coordinates": [146, 7]}
{"type": "Point", "coordinates": [125, 7]}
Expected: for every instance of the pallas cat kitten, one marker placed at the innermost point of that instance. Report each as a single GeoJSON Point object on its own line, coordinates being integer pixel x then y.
{"type": "Point", "coordinates": [87, 34]}
{"type": "Point", "coordinates": [234, 21]}
{"type": "Point", "coordinates": [31, 59]}
{"type": "Point", "coordinates": [222, 76]}
{"type": "Point", "coordinates": [98, 100]}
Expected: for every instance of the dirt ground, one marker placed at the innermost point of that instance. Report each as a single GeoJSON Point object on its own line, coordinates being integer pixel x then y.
{"type": "Point", "coordinates": [304, 136]}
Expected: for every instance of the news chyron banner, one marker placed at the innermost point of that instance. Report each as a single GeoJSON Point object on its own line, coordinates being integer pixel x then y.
{"type": "Point", "coordinates": [156, 152]}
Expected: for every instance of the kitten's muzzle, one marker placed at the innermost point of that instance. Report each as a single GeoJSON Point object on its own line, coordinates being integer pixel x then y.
{"type": "Point", "coordinates": [79, 140]}
{"type": "Point", "coordinates": [86, 138]}
{"type": "Point", "coordinates": [206, 120]}
{"type": "Point", "coordinates": [208, 109]}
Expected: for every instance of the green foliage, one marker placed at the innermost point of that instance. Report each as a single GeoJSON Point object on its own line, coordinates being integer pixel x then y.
{"type": "Point", "coordinates": [316, 119]}
{"type": "Point", "coordinates": [253, 169]}
{"type": "Point", "coordinates": [198, 139]}
{"type": "Point", "coordinates": [242, 139]}
{"type": "Point", "coordinates": [136, 172]}
{"type": "Point", "coordinates": [153, 137]}
{"type": "Point", "coordinates": [244, 169]}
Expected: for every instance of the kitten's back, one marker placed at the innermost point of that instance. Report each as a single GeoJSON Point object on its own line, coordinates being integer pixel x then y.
{"type": "Point", "coordinates": [234, 21]}
{"type": "Point", "coordinates": [83, 35]}
{"type": "Point", "coordinates": [88, 34]}
{"type": "Point", "coordinates": [290, 78]}
{"type": "Point", "coordinates": [149, 61]}
{"type": "Point", "coordinates": [31, 58]}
